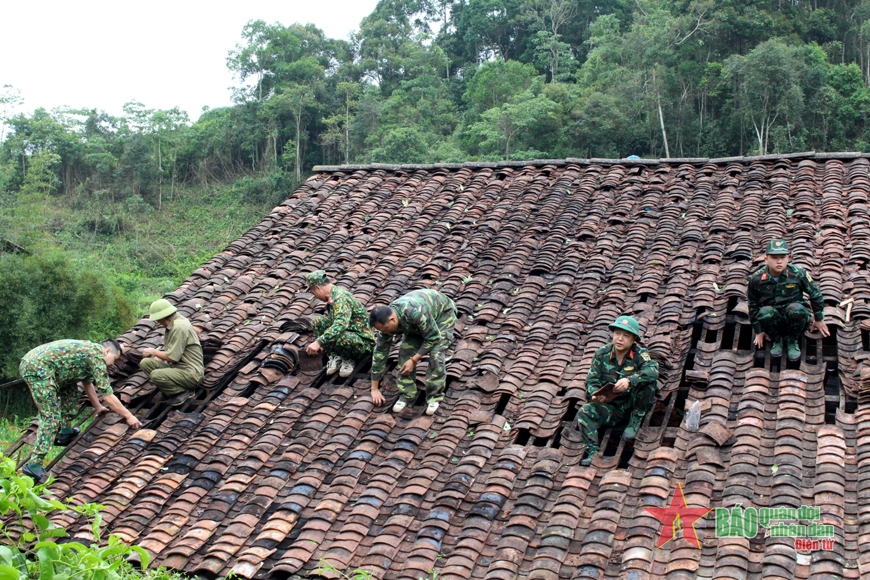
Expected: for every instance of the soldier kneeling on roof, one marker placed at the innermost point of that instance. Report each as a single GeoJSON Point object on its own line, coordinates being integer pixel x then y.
{"type": "Point", "coordinates": [777, 307]}
{"type": "Point", "coordinates": [626, 366]}
{"type": "Point", "coordinates": [344, 333]}
{"type": "Point", "coordinates": [177, 370]}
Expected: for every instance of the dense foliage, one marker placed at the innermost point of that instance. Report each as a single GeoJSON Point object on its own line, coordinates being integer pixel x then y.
{"type": "Point", "coordinates": [29, 547]}
{"type": "Point", "coordinates": [427, 80]}
{"type": "Point", "coordinates": [45, 298]}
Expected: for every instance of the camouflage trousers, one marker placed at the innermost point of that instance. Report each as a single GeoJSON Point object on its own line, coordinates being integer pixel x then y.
{"type": "Point", "coordinates": [436, 373]}
{"type": "Point", "coordinates": [594, 415]}
{"type": "Point", "coordinates": [56, 408]}
{"type": "Point", "coordinates": [350, 345]}
{"type": "Point", "coordinates": [786, 321]}
{"type": "Point", "coordinates": [168, 379]}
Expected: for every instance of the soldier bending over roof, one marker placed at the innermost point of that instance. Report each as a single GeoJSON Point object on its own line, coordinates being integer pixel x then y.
{"type": "Point", "coordinates": [52, 372]}
{"type": "Point", "coordinates": [427, 320]}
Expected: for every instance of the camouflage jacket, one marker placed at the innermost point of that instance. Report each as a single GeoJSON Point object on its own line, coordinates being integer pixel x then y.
{"type": "Point", "coordinates": [419, 313]}
{"type": "Point", "coordinates": [68, 362]}
{"type": "Point", "coordinates": [344, 312]}
{"type": "Point", "coordinates": [793, 282]}
{"type": "Point", "coordinates": [637, 367]}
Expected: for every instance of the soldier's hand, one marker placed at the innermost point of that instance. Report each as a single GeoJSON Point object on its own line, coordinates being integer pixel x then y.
{"type": "Point", "coordinates": [377, 398]}
{"type": "Point", "coordinates": [313, 348]}
{"type": "Point", "coordinates": [148, 352]}
{"type": "Point", "coordinates": [133, 422]}
{"type": "Point", "coordinates": [101, 410]}
{"type": "Point", "coordinates": [408, 367]}
{"type": "Point", "coordinates": [820, 326]}
{"type": "Point", "coordinates": [759, 340]}
{"type": "Point", "coordinates": [621, 386]}
{"type": "Point", "coordinates": [598, 399]}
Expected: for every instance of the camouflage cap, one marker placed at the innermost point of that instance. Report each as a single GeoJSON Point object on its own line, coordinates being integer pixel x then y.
{"type": "Point", "coordinates": [776, 248]}
{"type": "Point", "coordinates": [628, 324]}
{"type": "Point", "coordinates": [316, 278]}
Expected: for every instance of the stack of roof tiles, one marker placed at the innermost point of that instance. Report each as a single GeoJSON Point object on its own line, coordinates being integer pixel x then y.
{"type": "Point", "coordinates": [274, 475]}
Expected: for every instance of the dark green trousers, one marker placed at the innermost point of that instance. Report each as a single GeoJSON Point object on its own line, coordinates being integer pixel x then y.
{"type": "Point", "coordinates": [786, 321]}
{"type": "Point", "coordinates": [594, 415]}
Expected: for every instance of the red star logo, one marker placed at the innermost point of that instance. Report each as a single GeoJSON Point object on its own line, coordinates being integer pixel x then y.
{"type": "Point", "coordinates": [678, 516]}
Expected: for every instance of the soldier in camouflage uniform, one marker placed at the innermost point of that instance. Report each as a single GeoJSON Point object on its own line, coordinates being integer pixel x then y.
{"type": "Point", "coordinates": [52, 372]}
{"type": "Point", "coordinates": [427, 320]}
{"type": "Point", "coordinates": [777, 307]}
{"type": "Point", "coordinates": [344, 333]}
{"type": "Point", "coordinates": [628, 365]}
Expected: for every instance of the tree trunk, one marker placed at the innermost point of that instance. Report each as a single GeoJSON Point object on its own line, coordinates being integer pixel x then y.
{"type": "Point", "coordinates": [172, 186]}
{"type": "Point", "coordinates": [159, 175]}
{"type": "Point", "coordinates": [298, 148]}
{"type": "Point", "coordinates": [661, 117]}
{"type": "Point", "coordinates": [347, 131]}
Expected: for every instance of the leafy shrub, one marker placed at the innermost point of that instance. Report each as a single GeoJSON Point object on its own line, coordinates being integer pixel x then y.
{"type": "Point", "coordinates": [262, 190]}
{"type": "Point", "coordinates": [35, 552]}
{"type": "Point", "coordinates": [46, 298]}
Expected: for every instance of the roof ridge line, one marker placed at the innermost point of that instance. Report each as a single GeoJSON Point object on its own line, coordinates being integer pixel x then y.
{"type": "Point", "coordinates": [590, 161]}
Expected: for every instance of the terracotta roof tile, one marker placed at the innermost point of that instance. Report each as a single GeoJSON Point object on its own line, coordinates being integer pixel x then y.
{"type": "Point", "coordinates": [267, 473]}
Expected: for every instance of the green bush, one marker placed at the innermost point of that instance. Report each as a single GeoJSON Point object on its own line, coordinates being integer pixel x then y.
{"type": "Point", "coordinates": [266, 189]}
{"type": "Point", "coordinates": [47, 298]}
{"type": "Point", "coordinates": [36, 554]}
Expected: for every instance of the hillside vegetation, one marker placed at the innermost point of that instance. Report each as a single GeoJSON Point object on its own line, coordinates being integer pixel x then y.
{"type": "Point", "coordinates": [101, 214]}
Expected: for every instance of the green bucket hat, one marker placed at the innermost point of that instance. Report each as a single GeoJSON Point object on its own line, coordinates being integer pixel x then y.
{"type": "Point", "coordinates": [162, 308]}
{"type": "Point", "coordinates": [628, 324]}
{"type": "Point", "coordinates": [776, 248]}
{"type": "Point", "coordinates": [316, 278]}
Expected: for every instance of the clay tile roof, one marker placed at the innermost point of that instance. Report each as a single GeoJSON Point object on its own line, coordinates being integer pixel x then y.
{"type": "Point", "coordinates": [268, 473]}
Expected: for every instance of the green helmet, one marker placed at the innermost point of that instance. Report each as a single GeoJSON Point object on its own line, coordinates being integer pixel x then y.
{"type": "Point", "coordinates": [628, 324]}
{"type": "Point", "coordinates": [162, 308]}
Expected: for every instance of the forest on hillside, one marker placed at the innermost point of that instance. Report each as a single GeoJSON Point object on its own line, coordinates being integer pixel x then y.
{"type": "Point", "coordinates": [100, 214]}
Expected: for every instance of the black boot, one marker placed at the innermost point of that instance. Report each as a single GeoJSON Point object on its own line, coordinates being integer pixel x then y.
{"type": "Point", "coordinates": [35, 471]}
{"type": "Point", "coordinates": [180, 398]}
{"type": "Point", "coordinates": [633, 427]}
{"type": "Point", "coordinates": [66, 435]}
{"type": "Point", "coordinates": [590, 454]}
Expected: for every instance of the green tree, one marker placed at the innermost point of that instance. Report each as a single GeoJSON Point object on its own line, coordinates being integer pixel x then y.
{"type": "Point", "coordinates": [10, 100]}
{"type": "Point", "coordinates": [296, 100]}
{"type": "Point", "coordinates": [47, 298]}
{"type": "Point", "coordinates": [489, 29]}
{"type": "Point", "coordinates": [527, 116]}
{"type": "Point", "coordinates": [548, 18]}
{"type": "Point", "coordinates": [496, 82]}
{"type": "Point", "coordinates": [767, 87]}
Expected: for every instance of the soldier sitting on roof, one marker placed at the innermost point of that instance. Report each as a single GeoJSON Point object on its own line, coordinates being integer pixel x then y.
{"type": "Point", "coordinates": [177, 370]}
{"type": "Point", "coordinates": [777, 307]}
{"type": "Point", "coordinates": [52, 372]}
{"type": "Point", "coordinates": [427, 319]}
{"type": "Point", "coordinates": [628, 366]}
{"type": "Point", "coordinates": [344, 333]}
